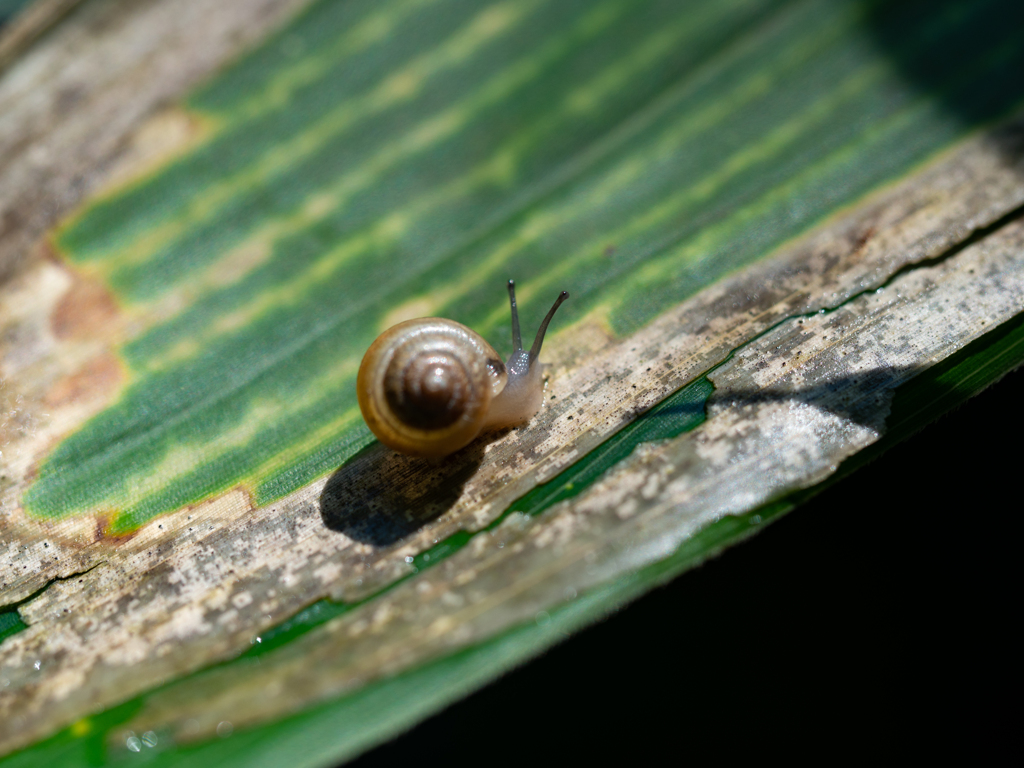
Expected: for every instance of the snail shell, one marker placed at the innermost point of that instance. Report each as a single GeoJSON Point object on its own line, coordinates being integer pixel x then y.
{"type": "Point", "coordinates": [425, 386]}
{"type": "Point", "coordinates": [428, 387]}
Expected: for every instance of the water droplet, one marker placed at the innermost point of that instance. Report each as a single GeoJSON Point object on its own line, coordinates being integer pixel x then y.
{"type": "Point", "coordinates": [38, 665]}
{"type": "Point", "coordinates": [255, 640]}
{"type": "Point", "coordinates": [149, 739]}
{"type": "Point", "coordinates": [134, 743]}
{"type": "Point", "coordinates": [570, 593]}
{"type": "Point", "coordinates": [542, 618]}
{"type": "Point", "coordinates": [426, 557]}
{"type": "Point", "coordinates": [408, 558]}
{"type": "Point", "coordinates": [225, 728]}
{"type": "Point", "coordinates": [755, 520]}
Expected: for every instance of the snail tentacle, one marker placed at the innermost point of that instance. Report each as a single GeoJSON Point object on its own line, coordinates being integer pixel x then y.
{"type": "Point", "coordinates": [524, 393]}
{"type": "Point", "coordinates": [517, 338]}
{"type": "Point", "coordinates": [539, 340]}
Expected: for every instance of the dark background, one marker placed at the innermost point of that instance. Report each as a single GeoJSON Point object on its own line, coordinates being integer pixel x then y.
{"type": "Point", "coordinates": [876, 620]}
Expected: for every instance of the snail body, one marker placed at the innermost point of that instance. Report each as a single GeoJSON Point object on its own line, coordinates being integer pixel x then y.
{"type": "Point", "coordinates": [428, 387]}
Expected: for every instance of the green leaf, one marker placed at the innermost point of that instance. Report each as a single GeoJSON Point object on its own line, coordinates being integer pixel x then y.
{"type": "Point", "coordinates": [647, 149]}
{"type": "Point", "coordinates": [10, 623]}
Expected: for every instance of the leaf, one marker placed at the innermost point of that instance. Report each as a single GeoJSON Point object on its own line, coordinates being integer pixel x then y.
{"type": "Point", "coordinates": [765, 244]}
{"type": "Point", "coordinates": [22, 22]}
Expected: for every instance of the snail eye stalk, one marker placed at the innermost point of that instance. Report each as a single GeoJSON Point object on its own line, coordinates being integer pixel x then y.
{"type": "Point", "coordinates": [517, 338]}
{"type": "Point", "coordinates": [537, 342]}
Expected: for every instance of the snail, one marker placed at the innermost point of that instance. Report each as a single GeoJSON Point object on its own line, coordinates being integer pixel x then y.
{"type": "Point", "coordinates": [428, 387]}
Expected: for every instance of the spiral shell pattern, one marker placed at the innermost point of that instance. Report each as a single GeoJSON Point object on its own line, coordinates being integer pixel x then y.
{"type": "Point", "coordinates": [425, 386]}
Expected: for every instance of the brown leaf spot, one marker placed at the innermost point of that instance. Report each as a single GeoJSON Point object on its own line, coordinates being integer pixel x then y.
{"type": "Point", "coordinates": [862, 238]}
{"type": "Point", "coordinates": [99, 378]}
{"type": "Point", "coordinates": [85, 310]}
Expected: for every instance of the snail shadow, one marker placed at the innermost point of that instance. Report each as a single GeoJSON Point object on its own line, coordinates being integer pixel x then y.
{"type": "Point", "coordinates": [860, 398]}
{"type": "Point", "coordinates": [379, 497]}
{"type": "Point", "coordinates": [864, 398]}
